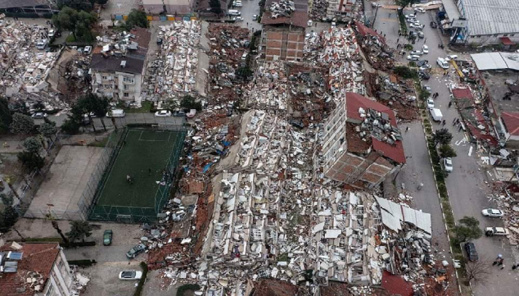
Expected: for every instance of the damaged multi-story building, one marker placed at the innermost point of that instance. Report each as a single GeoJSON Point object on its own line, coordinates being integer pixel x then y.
{"type": "Point", "coordinates": [118, 65]}
{"type": "Point", "coordinates": [362, 144]}
{"type": "Point", "coordinates": [284, 24]}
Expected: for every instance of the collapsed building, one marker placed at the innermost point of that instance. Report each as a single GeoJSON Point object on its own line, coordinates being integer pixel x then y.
{"type": "Point", "coordinates": [362, 144]}
{"type": "Point", "coordinates": [284, 24]}
{"type": "Point", "coordinates": [118, 65]}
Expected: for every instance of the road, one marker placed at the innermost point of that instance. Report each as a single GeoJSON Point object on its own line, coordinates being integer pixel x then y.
{"type": "Point", "coordinates": [467, 184]}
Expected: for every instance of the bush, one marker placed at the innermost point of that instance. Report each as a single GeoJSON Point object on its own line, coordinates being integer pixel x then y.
{"type": "Point", "coordinates": [140, 286]}
{"type": "Point", "coordinates": [408, 47]}
{"type": "Point", "coordinates": [405, 72]}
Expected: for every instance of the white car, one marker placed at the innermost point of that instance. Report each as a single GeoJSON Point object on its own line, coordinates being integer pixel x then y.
{"type": "Point", "coordinates": [163, 113]}
{"type": "Point", "coordinates": [416, 25]}
{"type": "Point", "coordinates": [491, 231]}
{"type": "Point", "coordinates": [425, 49]}
{"type": "Point", "coordinates": [237, 19]}
{"type": "Point", "coordinates": [430, 103]}
{"type": "Point", "coordinates": [451, 57]}
{"type": "Point", "coordinates": [413, 57]}
{"type": "Point", "coordinates": [39, 115]}
{"type": "Point", "coordinates": [442, 63]}
{"type": "Point", "coordinates": [447, 164]}
{"type": "Point", "coordinates": [129, 275]}
{"type": "Point", "coordinates": [493, 213]}
{"type": "Point", "coordinates": [415, 52]}
{"type": "Point", "coordinates": [419, 9]}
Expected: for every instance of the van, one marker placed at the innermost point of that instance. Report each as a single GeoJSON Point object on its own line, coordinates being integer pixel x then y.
{"type": "Point", "coordinates": [233, 12]}
{"type": "Point", "coordinates": [436, 114]}
{"type": "Point", "coordinates": [116, 113]}
{"type": "Point", "coordinates": [442, 63]}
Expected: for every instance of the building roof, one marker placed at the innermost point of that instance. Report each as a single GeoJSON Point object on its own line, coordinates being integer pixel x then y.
{"type": "Point", "coordinates": [298, 18]}
{"type": "Point", "coordinates": [37, 258]}
{"type": "Point", "coordinates": [492, 17]}
{"type": "Point", "coordinates": [363, 30]}
{"type": "Point", "coordinates": [451, 9]}
{"type": "Point", "coordinates": [511, 121]}
{"type": "Point", "coordinates": [22, 3]}
{"type": "Point", "coordinates": [462, 93]}
{"type": "Point", "coordinates": [354, 102]}
{"type": "Point", "coordinates": [496, 60]}
{"type": "Point", "coordinates": [100, 63]}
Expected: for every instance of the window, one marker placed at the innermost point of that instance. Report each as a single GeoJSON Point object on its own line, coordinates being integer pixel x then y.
{"type": "Point", "coordinates": [105, 77]}
{"type": "Point", "coordinates": [505, 35]}
{"type": "Point", "coordinates": [512, 35]}
{"type": "Point", "coordinates": [478, 36]}
{"type": "Point", "coordinates": [495, 35]}
{"type": "Point", "coordinates": [128, 79]}
{"type": "Point", "coordinates": [126, 94]}
{"type": "Point", "coordinates": [126, 87]}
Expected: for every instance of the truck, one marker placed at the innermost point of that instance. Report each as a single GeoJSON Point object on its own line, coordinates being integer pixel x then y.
{"type": "Point", "coordinates": [496, 231]}
{"type": "Point", "coordinates": [436, 114]}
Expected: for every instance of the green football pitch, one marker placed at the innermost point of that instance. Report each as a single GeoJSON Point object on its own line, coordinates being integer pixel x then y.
{"type": "Point", "coordinates": [143, 155]}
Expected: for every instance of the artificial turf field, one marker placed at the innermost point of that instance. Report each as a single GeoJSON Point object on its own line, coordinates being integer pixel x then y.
{"type": "Point", "coordinates": [141, 151]}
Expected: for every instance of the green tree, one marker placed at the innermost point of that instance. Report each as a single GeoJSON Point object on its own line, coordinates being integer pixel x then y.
{"type": "Point", "coordinates": [32, 145]}
{"type": "Point", "coordinates": [79, 230]}
{"type": "Point", "coordinates": [137, 18]}
{"type": "Point", "coordinates": [467, 229]}
{"type": "Point", "coordinates": [22, 124]}
{"type": "Point", "coordinates": [442, 137]}
{"type": "Point", "coordinates": [447, 151]}
{"type": "Point", "coordinates": [91, 104]}
{"type": "Point", "coordinates": [79, 23]}
{"type": "Point", "coordinates": [70, 126]}
{"type": "Point", "coordinates": [188, 102]}
{"type": "Point", "coordinates": [48, 129]}
{"type": "Point", "coordinates": [8, 218]}
{"type": "Point", "coordinates": [5, 116]}
{"type": "Point", "coordinates": [216, 7]}
{"type": "Point", "coordinates": [31, 161]}
{"type": "Point", "coordinates": [405, 72]}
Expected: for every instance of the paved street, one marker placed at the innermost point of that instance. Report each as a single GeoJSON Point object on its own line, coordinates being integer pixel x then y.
{"type": "Point", "coordinates": [467, 184]}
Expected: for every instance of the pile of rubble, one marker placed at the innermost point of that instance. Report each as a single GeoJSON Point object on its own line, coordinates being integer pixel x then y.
{"type": "Point", "coordinates": [172, 74]}
{"type": "Point", "coordinates": [319, 9]}
{"type": "Point", "coordinates": [229, 51]}
{"type": "Point", "coordinates": [23, 66]}
{"type": "Point", "coordinates": [336, 49]}
{"type": "Point", "coordinates": [507, 202]}
{"type": "Point", "coordinates": [378, 54]}
{"type": "Point", "coordinates": [283, 8]}
{"type": "Point", "coordinates": [397, 93]}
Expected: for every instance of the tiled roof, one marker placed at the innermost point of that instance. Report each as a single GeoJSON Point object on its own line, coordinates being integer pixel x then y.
{"type": "Point", "coordinates": [396, 285]}
{"type": "Point", "coordinates": [36, 258]}
{"type": "Point", "coordinates": [462, 93]}
{"type": "Point", "coordinates": [353, 103]}
{"type": "Point", "coordinates": [297, 18]}
{"type": "Point", "coordinates": [511, 120]}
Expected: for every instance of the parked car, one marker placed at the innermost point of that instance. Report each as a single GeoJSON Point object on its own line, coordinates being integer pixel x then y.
{"type": "Point", "coordinates": [191, 114]}
{"type": "Point", "coordinates": [442, 63]}
{"type": "Point", "coordinates": [419, 9]}
{"type": "Point", "coordinates": [416, 25]}
{"type": "Point", "coordinates": [416, 52]}
{"type": "Point", "coordinates": [255, 18]}
{"type": "Point", "coordinates": [493, 213]}
{"type": "Point", "coordinates": [434, 25]}
{"type": "Point", "coordinates": [447, 164]}
{"type": "Point", "coordinates": [424, 75]}
{"type": "Point", "coordinates": [159, 41]}
{"type": "Point", "coordinates": [129, 275]}
{"type": "Point", "coordinates": [451, 57]}
{"type": "Point", "coordinates": [421, 35]}
{"type": "Point", "coordinates": [39, 115]}
{"type": "Point", "coordinates": [496, 231]}
{"type": "Point", "coordinates": [107, 237]}
{"type": "Point", "coordinates": [472, 254]}
{"type": "Point", "coordinates": [430, 103]}
{"type": "Point", "coordinates": [116, 113]}
{"type": "Point", "coordinates": [413, 57]}
{"type": "Point", "coordinates": [163, 113]}
{"type": "Point", "coordinates": [427, 88]}
{"type": "Point", "coordinates": [51, 33]}
{"type": "Point", "coordinates": [237, 19]}
{"type": "Point", "coordinates": [425, 49]}
{"type": "Point", "coordinates": [136, 250]}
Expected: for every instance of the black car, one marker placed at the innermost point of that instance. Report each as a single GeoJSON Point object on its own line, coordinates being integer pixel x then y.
{"type": "Point", "coordinates": [472, 254]}
{"type": "Point", "coordinates": [159, 41]}
{"type": "Point", "coordinates": [434, 25]}
{"type": "Point", "coordinates": [424, 75]}
{"type": "Point", "coordinates": [136, 250]}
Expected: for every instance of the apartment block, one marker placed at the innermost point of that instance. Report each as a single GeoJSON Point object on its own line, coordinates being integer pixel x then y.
{"type": "Point", "coordinates": [362, 144]}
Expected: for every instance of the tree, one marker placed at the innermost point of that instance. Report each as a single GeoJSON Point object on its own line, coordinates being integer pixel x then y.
{"type": "Point", "coordinates": [442, 137]}
{"type": "Point", "coordinates": [31, 161]}
{"type": "Point", "coordinates": [446, 150]}
{"type": "Point", "coordinates": [188, 102]}
{"type": "Point", "coordinates": [32, 145]}
{"type": "Point", "coordinates": [8, 218]}
{"type": "Point", "coordinates": [70, 126]}
{"type": "Point", "coordinates": [79, 230]}
{"type": "Point", "coordinates": [22, 124]}
{"type": "Point", "coordinates": [48, 129]}
{"type": "Point", "coordinates": [137, 18]}
{"type": "Point", "coordinates": [405, 72]}
{"type": "Point", "coordinates": [477, 272]}
{"type": "Point", "coordinates": [91, 104]}
{"type": "Point", "coordinates": [5, 116]}
{"type": "Point", "coordinates": [467, 229]}
{"type": "Point", "coordinates": [55, 225]}
{"type": "Point", "coordinates": [79, 23]}
{"type": "Point", "coordinates": [215, 6]}
{"type": "Point", "coordinates": [77, 4]}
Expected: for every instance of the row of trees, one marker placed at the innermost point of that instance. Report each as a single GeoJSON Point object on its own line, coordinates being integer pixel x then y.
{"type": "Point", "coordinates": [86, 5]}
{"type": "Point", "coordinates": [79, 23]}
{"type": "Point", "coordinates": [86, 107]}
{"type": "Point", "coordinates": [443, 138]}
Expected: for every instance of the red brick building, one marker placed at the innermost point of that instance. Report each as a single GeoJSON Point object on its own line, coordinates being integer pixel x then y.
{"type": "Point", "coordinates": [362, 144]}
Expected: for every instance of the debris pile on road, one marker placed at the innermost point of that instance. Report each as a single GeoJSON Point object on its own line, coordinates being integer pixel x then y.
{"type": "Point", "coordinates": [506, 201]}
{"type": "Point", "coordinates": [172, 74]}
{"type": "Point", "coordinates": [378, 54]}
{"type": "Point", "coordinates": [397, 93]}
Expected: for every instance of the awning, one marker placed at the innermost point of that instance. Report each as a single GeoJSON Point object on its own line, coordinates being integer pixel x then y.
{"type": "Point", "coordinates": [506, 41]}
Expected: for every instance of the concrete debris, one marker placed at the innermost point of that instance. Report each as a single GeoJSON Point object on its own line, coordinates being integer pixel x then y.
{"type": "Point", "coordinates": [172, 72]}
{"type": "Point", "coordinates": [282, 8]}
{"type": "Point", "coordinates": [25, 64]}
